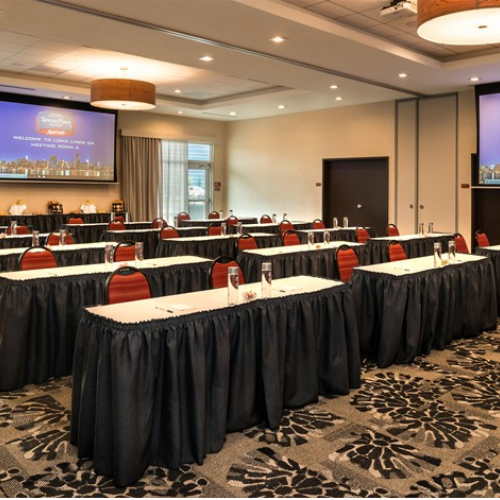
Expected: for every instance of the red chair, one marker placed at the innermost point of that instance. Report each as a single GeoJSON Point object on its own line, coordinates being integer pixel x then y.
{"type": "Point", "coordinates": [20, 229]}
{"type": "Point", "coordinates": [481, 239]}
{"type": "Point", "coordinates": [290, 238]}
{"type": "Point", "coordinates": [232, 221]}
{"type": "Point", "coordinates": [214, 230]}
{"type": "Point", "coordinates": [265, 219]}
{"type": "Point", "coordinates": [346, 260]}
{"type": "Point", "coordinates": [362, 235]}
{"type": "Point", "coordinates": [169, 232]}
{"type": "Point", "coordinates": [116, 225]}
{"type": "Point", "coordinates": [392, 230]}
{"type": "Point", "coordinates": [159, 223]}
{"type": "Point", "coordinates": [218, 271]}
{"type": "Point", "coordinates": [318, 224]}
{"type": "Point", "coordinates": [54, 239]}
{"type": "Point", "coordinates": [75, 220]}
{"type": "Point", "coordinates": [124, 251]}
{"type": "Point", "coordinates": [214, 215]}
{"type": "Point", "coordinates": [396, 251]}
{"type": "Point", "coordinates": [285, 226]}
{"type": "Point", "coordinates": [246, 242]}
{"type": "Point", "coordinates": [37, 258]}
{"type": "Point", "coordinates": [126, 284]}
{"type": "Point", "coordinates": [460, 244]}
{"type": "Point", "coordinates": [183, 216]}
{"type": "Point", "coordinates": [119, 218]}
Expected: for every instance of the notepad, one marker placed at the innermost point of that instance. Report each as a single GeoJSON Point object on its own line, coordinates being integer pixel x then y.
{"type": "Point", "coordinates": [180, 307]}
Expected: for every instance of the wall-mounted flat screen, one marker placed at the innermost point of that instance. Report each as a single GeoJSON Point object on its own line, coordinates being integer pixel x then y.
{"type": "Point", "coordinates": [488, 108]}
{"type": "Point", "coordinates": [46, 140]}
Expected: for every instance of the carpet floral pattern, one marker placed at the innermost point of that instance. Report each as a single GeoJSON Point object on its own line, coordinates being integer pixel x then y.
{"type": "Point", "coordinates": [427, 429]}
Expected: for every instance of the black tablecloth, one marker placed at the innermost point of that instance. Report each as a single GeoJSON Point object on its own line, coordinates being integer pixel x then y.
{"type": "Point", "coordinates": [47, 223]}
{"type": "Point", "coordinates": [416, 247]}
{"type": "Point", "coordinates": [317, 262]}
{"type": "Point", "coordinates": [400, 317]}
{"type": "Point", "coordinates": [340, 234]}
{"type": "Point", "coordinates": [494, 255]}
{"type": "Point", "coordinates": [39, 318]}
{"type": "Point", "coordinates": [216, 222]}
{"type": "Point", "coordinates": [211, 247]}
{"type": "Point", "coordinates": [21, 240]}
{"type": "Point", "coordinates": [150, 238]}
{"type": "Point", "coordinates": [166, 392]}
{"type": "Point", "coordinates": [260, 228]}
{"type": "Point", "coordinates": [90, 233]}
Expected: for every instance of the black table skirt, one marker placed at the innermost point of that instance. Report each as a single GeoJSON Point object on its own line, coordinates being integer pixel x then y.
{"type": "Point", "coordinates": [319, 263]}
{"type": "Point", "coordinates": [217, 222]}
{"type": "Point", "coordinates": [48, 223]}
{"type": "Point", "coordinates": [166, 392]}
{"type": "Point", "coordinates": [22, 240]}
{"type": "Point", "coordinates": [210, 248]}
{"type": "Point", "coordinates": [417, 247]}
{"type": "Point", "coordinates": [402, 317]}
{"type": "Point", "coordinates": [150, 239]}
{"type": "Point", "coordinates": [92, 233]}
{"type": "Point", "coordinates": [494, 255]}
{"type": "Point", "coordinates": [340, 234]}
{"type": "Point", "coordinates": [39, 318]}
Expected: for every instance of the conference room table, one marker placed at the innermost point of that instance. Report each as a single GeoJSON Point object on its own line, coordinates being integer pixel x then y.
{"type": "Point", "coordinates": [211, 247]}
{"type": "Point", "coordinates": [67, 255]}
{"type": "Point", "coordinates": [406, 308]}
{"type": "Point", "coordinates": [21, 240]}
{"type": "Point", "coordinates": [297, 260]}
{"type": "Point", "coordinates": [90, 232]}
{"type": "Point", "coordinates": [413, 244]}
{"type": "Point", "coordinates": [493, 253]}
{"type": "Point", "coordinates": [40, 311]}
{"type": "Point", "coordinates": [216, 222]}
{"type": "Point", "coordinates": [336, 234]}
{"type": "Point", "coordinates": [161, 381]}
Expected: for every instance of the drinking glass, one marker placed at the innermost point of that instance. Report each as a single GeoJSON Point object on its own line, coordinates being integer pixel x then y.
{"type": "Point", "coordinates": [108, 255]}
{"type": "Point", "coordinates": [35, 239]}
{"type": "Point", "coordinates": [232, 285]}
{"type": "Point", "coordinates": [452, 252]}
{"type": "Point", "coordinates": [275, 219]}
{"type": "Point", "coordinates": [230, 213]}
{"type": "Point", "coordinates": [221, 214]}
{"type": "Point", "coordinates": [430, 228]}
{"type": "Point", "coordinates": [310, 239]}
{"type": "Point", "coordinates": [335, 223]}
{"type": "Point", "coordinates": [437, 254]}
{"type": "Point", "coordinates": [62, 237]}
{"type": "Point", "coordinates": [285, 216]}
{"type": "Point", "coordinates": [346, 222]}
{"type": "Point", "coordinates": [266, 279]}
{"type": "Point", "coordinates": [223, 229]}
{"type": "Point", "coordinates": [176, 221]}
{"type": "Point", "coordinates": [139, 253]}
{"type": "Point", "coordinates": [421, 233]}
{"type": "Point", "coordinates": [13, 227]}
{"type": "Point", "coordinates": [112, 216]}
{"type": "Point", "coordinates": [326, 238]}
{"type": "Point", "coordinates": [239, 228]}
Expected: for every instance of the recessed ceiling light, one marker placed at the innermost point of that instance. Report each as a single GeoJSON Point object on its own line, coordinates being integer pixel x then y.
{"type": "Point", "coordinates": [180, 112]}
{"type": "Point", "coordinates": [281, 106]}
{"type": "Point", "coordinates": [206, 58]}
{"type": "Point", "coordinates": [474, 79]}
{"type": "Point", "coordinates": [278, 39]}
{"type": "Point", "coordinates": [339, 98]}
{"type": "Point", "coordinates": [67, 97]}
{"type": "Point", "coordinates": [177, 91]}
{"type": "Point", "coordinates": [334, 86]}
{"type": "Point", "coordinates": [403, 75]}
{"type": "Point", "coordinates": [233, 113]}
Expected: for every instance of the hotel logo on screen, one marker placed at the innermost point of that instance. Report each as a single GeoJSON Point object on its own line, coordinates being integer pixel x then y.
{"type": "Point", "coordinates": [55, 124]}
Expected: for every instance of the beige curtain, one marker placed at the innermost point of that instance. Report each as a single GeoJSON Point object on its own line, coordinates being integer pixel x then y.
{"type": "Point", "coordinates": [141, 176]}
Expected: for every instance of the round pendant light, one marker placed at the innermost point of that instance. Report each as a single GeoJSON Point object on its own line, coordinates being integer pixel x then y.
{"type": "Point", "coordinates": [459, 22]}
{"type": "Point", "coordinates": [121, 93]}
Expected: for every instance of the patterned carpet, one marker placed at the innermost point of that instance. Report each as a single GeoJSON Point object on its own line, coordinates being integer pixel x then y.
{"type": "Point", "coordinates": [429, 429]}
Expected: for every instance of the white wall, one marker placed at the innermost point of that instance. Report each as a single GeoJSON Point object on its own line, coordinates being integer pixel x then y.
{"type": "Point", "coordinates": [273, 164]}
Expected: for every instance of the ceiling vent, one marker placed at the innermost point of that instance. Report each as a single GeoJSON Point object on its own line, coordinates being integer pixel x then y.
{"type": "Point", "coordinates": [399, 10]}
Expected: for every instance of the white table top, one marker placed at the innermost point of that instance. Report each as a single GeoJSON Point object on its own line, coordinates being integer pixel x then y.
{"type": "Point", "coordinates": [412, 266]}
{"type": "Point", "coordinates": [98, 268]}
{"type": "Point", "coordinates": [406, 237]}
{"type": "Point", "coordinates": [207, 300]}
{"type": "Point", "coordinates": [495, 248]}
{"type": "Point", "coordinates": [269, 252]}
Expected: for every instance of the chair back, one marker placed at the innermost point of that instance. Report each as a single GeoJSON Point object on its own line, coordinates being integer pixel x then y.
{"type": "Point", "coordinates": [346, 260]}
{"type": "Point", "coordinates": [169, 232]}
{"type": "Point", "coordinates": [213, 214]}
{"type": "Point", "coordinates": [265, 219]}
{"type": "Point", "coordinates": [37, 258]}
{"type": "Point", "coordinates": [20, 229]}
{"type": "Point", "coordinates": [395, 251]}
{"type": "Point", "coordinates": [183, 216]}
{"type": "Point", "coordinates": [124, 251]}
{"type": "Point", "coordinates": [246, 242]}
{"type": "Point", "coordinates": [290, 237]}
{"type": "Point", "coordinates": [214, 230]}
{"type": "Point", "coordinates": [218, 271]}
{"type": "Point", "coordinates": [54, 240]}
{"type": "Point", "coordinates": [392, 230]}
{"type": "Point", "coordinates": [481, 239]}
{"type": "Point", "coordinates": [318, 224]}
{"type": "Point", "coordinates": [126, 284]}
{"type": "Point", "coordinates": [232, 221]}
{"type": "Point", "coordinates": [286, 225]}
{"type": "Point", "coordinates": [460, 244]}
{"type": "Point", "coordinates": [116, 225]}
{"type": "Point", "coordinates": [362, 234]}
{"type": "Point", "coordinates": [159, 223]}
{"type": "Point", "coordinates": [75, 220]}
{"type": "Point", "coordinates": [119, 218]}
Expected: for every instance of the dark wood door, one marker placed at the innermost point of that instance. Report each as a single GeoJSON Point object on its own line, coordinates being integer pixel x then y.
{"type": "Point", "coordinates": [356, 188]}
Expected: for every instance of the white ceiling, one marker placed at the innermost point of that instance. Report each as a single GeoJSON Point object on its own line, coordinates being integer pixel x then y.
{"type": "Point", "coordinates": [54, 48]}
